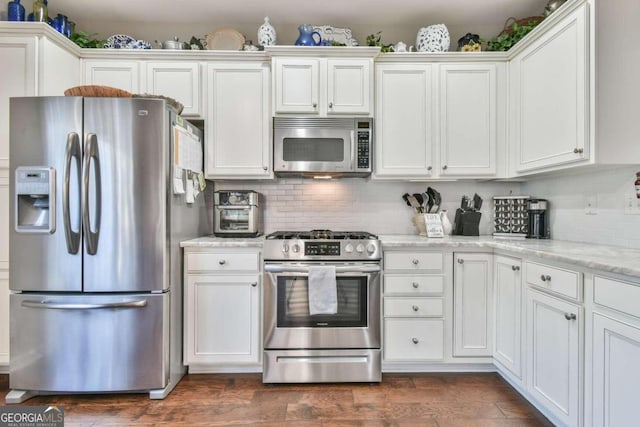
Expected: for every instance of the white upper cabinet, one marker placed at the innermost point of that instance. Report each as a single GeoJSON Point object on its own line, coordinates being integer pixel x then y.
{"type": "Point", "coordinates": [118, 73]}
{"type": "Point", "coordinates": [471, 120]}
{"type": "Point", "coordinates": [297, 85]}
{"type": "Point", "coordinates": [550, 97]}
{"type": "Point", "coordinates": [349, 86]}
{"type": "Point", "coordinates": [179, 80]}
{"type": "Point", "coordinates": [403, 124]}
{"type": "Point", "coordinates": [238, 122]}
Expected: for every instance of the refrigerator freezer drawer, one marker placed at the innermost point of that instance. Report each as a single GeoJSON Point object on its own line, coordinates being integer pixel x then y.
{"type": "Point", "coordinates": [94, 343]}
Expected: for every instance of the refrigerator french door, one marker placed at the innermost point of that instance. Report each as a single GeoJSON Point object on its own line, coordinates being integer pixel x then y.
{"type": "Point", "coordinates": [90, 244]}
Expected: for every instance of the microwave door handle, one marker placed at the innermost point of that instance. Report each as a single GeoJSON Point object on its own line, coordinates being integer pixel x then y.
{"type": "Point", "coordinates": [354, 149]}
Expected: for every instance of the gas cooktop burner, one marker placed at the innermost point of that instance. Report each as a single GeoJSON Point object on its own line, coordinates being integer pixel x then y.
{"type": "Point", "coordinates": [321, 235]}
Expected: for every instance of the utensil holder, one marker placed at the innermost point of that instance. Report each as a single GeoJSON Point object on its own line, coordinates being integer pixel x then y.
{"type": "Point", "coordinates": [419, 222]}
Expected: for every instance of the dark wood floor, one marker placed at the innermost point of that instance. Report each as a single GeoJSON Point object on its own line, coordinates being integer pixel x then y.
{"type": "Point", "coordinates": [242, 400]}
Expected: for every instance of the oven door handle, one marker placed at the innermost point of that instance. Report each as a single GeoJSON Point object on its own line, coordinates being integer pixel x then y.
{"type": "Point", "coordinates": [271, 268]}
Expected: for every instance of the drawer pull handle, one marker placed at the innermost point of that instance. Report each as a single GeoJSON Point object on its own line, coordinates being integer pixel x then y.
{"type": "Point", "coordinates": [415, 340]}
{"type": "Point", "coordinates": [415, 285]}
{"type": "Point", "coordinates": [578, 150]}
{"type": "Point", "coordinates": [570, 316]}
{"type": "Point", "coordinates": [515, 268]}
{"type": "Point", "coordinates": [444, 168]}
{"type": "Point", "coordinates": [415, 262]}
{"type": "Point", "coordinates": [415, 308]}
{"type": "Point", "coordinates": [222, 262]}
{"type": "Point", "coordinates": [545, 278]}
{"type": "Point", "coordinates": [254, 284]}
{"type": "Point", "coordinates": [429, 168]}
{"type": "Point", "coordinates": [460, 261]}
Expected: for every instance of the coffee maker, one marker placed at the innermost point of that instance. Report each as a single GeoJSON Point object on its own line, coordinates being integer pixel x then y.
{"type": "Point", "coordinates": [538, 223]}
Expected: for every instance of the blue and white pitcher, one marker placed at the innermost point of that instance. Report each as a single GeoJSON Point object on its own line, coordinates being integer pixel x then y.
{"type": "Point", "coordinates": [306, 36]}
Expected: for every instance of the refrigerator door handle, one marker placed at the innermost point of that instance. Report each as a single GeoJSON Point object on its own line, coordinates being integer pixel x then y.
{"type": "Point", "coordinates": [91, 152]}
{"type": "Point", "coordinates": [72, 150]}
{"type": "Point", "coordinates": [61, 306]}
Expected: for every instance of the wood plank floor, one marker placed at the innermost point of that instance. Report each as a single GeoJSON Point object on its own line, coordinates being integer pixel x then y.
{"type": "Point", "coordinates": [438, 400]}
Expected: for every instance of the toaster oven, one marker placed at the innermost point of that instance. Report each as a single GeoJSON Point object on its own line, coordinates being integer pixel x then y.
{"type": "Point", "coordinates": [237, 213]}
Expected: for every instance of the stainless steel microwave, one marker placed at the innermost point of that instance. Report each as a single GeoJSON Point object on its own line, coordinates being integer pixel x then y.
{"type": "Point", "coordinates": [322, 147]}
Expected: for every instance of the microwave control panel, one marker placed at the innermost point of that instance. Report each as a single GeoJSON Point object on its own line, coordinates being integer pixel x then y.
{"type": "Point", "coordinates": [364, 144]}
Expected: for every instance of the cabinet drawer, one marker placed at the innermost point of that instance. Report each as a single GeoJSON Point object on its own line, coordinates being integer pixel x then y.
{"type": "Point", "coordinates": [397, 284]}
{"type": "Point", "coordinates": [223, 261]}
{"type": "Point", "coordinates": [413, 339]}
{"type": "Point", "coordinates": [413, 261]}
{"type": "Point", "coordinates": [415, 307]}
{"type": "Point", "coordinates": [553, 279]}
{"type": "Point", "coordinates": [617, 295]}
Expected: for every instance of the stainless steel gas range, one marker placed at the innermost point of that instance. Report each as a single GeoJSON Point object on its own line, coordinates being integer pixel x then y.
{"type": "Point", "coordinates": [341, 344]}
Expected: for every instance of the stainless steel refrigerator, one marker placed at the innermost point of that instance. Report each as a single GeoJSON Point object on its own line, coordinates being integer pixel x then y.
{"type": "Point", "coordinates": [95, 263]}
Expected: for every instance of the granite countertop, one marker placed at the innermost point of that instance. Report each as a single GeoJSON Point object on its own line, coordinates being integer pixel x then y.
{"type": "Point", "coordinates": [610, 259]}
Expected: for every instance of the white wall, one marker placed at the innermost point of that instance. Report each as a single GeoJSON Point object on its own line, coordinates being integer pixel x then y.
{"type": "Point", "coordinates": [357, 203]}
{"type": "Point", "coordinates": [568, 197]}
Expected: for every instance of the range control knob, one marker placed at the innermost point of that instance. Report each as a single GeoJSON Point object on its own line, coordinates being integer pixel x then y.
{"type": "Point", "coordinates": [348, 248]}
{"type": "Point", "coordinates": [371, 248]}
{"type": "Point", "coordinates": [360, 248]}
{"type": "Point", "coordinates": [285, 248]}
{"type": "Point", "coordinates": [295, 248]}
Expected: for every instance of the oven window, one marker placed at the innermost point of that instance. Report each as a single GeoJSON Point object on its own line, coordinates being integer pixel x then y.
{"type": "Point", "coordinates": [313, 149]}
{"type": "Point", "coordinates": [234, 219]}
{"type": "Point", "coordinates": [293, 303]}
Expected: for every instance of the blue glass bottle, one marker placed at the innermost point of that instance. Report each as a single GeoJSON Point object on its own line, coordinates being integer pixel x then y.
{"type": "Point", "coordinates": [15, 11]}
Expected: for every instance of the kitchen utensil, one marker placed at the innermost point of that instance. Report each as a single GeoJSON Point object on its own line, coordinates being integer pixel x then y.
{"type": "Point", "coordinates": [437, 202]}
{"type": "Point", "coordinates": [425, 203]}
{"type": "Point", "coordinates": [405, 197]}
{"type": "Point", "coordinates": [225, 39]}
{"type": "Point", "coordinates": [464, 203]}
{"type": "Point", "coordinates": [477, 202]}
{"type": "Point", "coordinates": [414, 203]}
{"type": "Point", "coordinates": [420, 200]}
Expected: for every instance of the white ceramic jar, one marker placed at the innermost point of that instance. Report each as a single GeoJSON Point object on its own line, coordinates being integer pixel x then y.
{"type": "Point", "coordinates": [266, 33]}
{"type": "Point", "coordinates": [434, 38]}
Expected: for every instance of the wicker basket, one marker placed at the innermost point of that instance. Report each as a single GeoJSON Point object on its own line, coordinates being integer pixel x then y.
{"type": "Point", "coordinates": [97, 91]}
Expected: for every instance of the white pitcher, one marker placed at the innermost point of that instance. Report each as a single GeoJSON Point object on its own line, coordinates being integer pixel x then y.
{"type": "Point", "coordinates": [446, 224]}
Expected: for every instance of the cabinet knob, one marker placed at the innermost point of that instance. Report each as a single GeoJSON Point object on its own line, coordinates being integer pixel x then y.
{"type": "Point", "coordinates": [570, 316]}
{"type": "Point", "coordinates": [545, 278]}
{"type": "Point", "coordinates": [314, 105]}
{"type": "Point", "coordinates": [460, 261]}
{"type": "Point", "coordinates": [444, 167]}
{"type": "Point", "coordinates": [429, 168]}
{"type": "Point", "coordinates": [265, 168]}
{"type": "Point", "coordinates": [415, 308]}
{"type": "Point", "coordinates": [415, 262]}
{"type": "Point", "coordinates": [222, 262]}
{"type": "Point", "coordinates": [415, 340]}
{"type": "Point", "coordinates": [578, 150]}
{"type": "Point", "coordinates": [415, 285]}
{"type": "Point", "coordinates": [515, 268]}
{"type": "Point", "coordinates": [254, 284]}
{"type": "Point", "coordinates": [331, 105]}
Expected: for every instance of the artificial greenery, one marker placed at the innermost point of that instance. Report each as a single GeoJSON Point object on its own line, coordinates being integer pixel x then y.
{"type": "Point", "coordinates": [86, 40]}
{"type": "Point", "coordinates": [376, 40]}
{"type": "Point", "coordinates": [506, 39]}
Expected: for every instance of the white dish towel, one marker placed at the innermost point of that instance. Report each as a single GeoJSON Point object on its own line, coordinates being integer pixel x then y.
{"type": "Point", "coordinates": [323, 290]}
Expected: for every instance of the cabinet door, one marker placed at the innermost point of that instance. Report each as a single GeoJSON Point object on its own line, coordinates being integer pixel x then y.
{"type": "Point", "coordinates": [553, 355]}
{"type": "Point", "coordinates": [473, 304]}
{"type": "Point", "coordinates": [403, 138]}
{"type": "Point", "coordinates": [468, 119]}
{"type": "Point", "coordinates": [237, 129]}
{"type": "Point", "coordinates": [178, 80]}
{"type": "Point", "coordinates": [550, 88]}
{"type": "Point", "coordinates": [4, 313]}
{"type": "Point", "coordinates": [123, 75]}
{"type": "Point", "coordinates": [616, 372]}
{"type": "Point", "coordinates": [508, 313]}
{"type": "Point", "coordinates": [222, 319]}
{"type": "Point", "coordinates": [296, 85]}
{"type": "Point", "coordinates": [349, 86]}
{"type": "Point", "coordinates": [59, 69]}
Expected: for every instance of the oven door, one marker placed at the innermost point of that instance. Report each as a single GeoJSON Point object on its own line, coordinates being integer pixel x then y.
{"type": "Point", "coordinates": [288, 324]}
{"type": "Point", "coordinates": [314, 149]}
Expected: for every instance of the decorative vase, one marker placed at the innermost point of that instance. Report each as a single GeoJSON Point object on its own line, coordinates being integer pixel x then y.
{"type": "Point", "coordinates": [15, 11]}
{"type": "Point", "coordinates": [266, 33]}
{"type": "Point", "coordinates": [306, 36]}
{"type": "Point", "coordinates": [40, 13]}
{"type": "Point", "coordinates": [447, 228]}
{"type": "Point", "coordinates": [434, 38]}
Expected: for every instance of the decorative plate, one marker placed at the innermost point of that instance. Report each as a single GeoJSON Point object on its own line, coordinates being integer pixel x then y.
{"type": "Point", "coordinates": [225, 39]}
{"type": "Point", "coordinates": [119, 41]}
{"type": "Point", "coordinates": [336, 34]}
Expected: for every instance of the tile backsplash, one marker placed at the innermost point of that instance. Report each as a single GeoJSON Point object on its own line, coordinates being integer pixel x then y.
{"type": "Point", "coordinates": [358, 203]}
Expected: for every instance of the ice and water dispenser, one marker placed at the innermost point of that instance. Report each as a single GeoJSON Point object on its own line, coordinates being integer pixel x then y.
{"type": "Point", "coordinates": [35, 202]}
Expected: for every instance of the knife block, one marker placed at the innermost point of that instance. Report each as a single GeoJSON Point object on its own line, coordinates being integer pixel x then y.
{"type": "Point", "coordinates": [467, 223]}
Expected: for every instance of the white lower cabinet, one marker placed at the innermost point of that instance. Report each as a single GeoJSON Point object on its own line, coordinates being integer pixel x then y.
{"type": "Point", "coordinates": [615, 373]}
{"type": "Point", "coordinates": [553, 350]}
{"type": "Point", "coordinates": [222, 310]}
{"type": "Point", "coordinates": [413, 339]}
{"type": "Point", "coordinates": [507, 292]}
{"type": "Point", "coordinates": [473, 304]}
